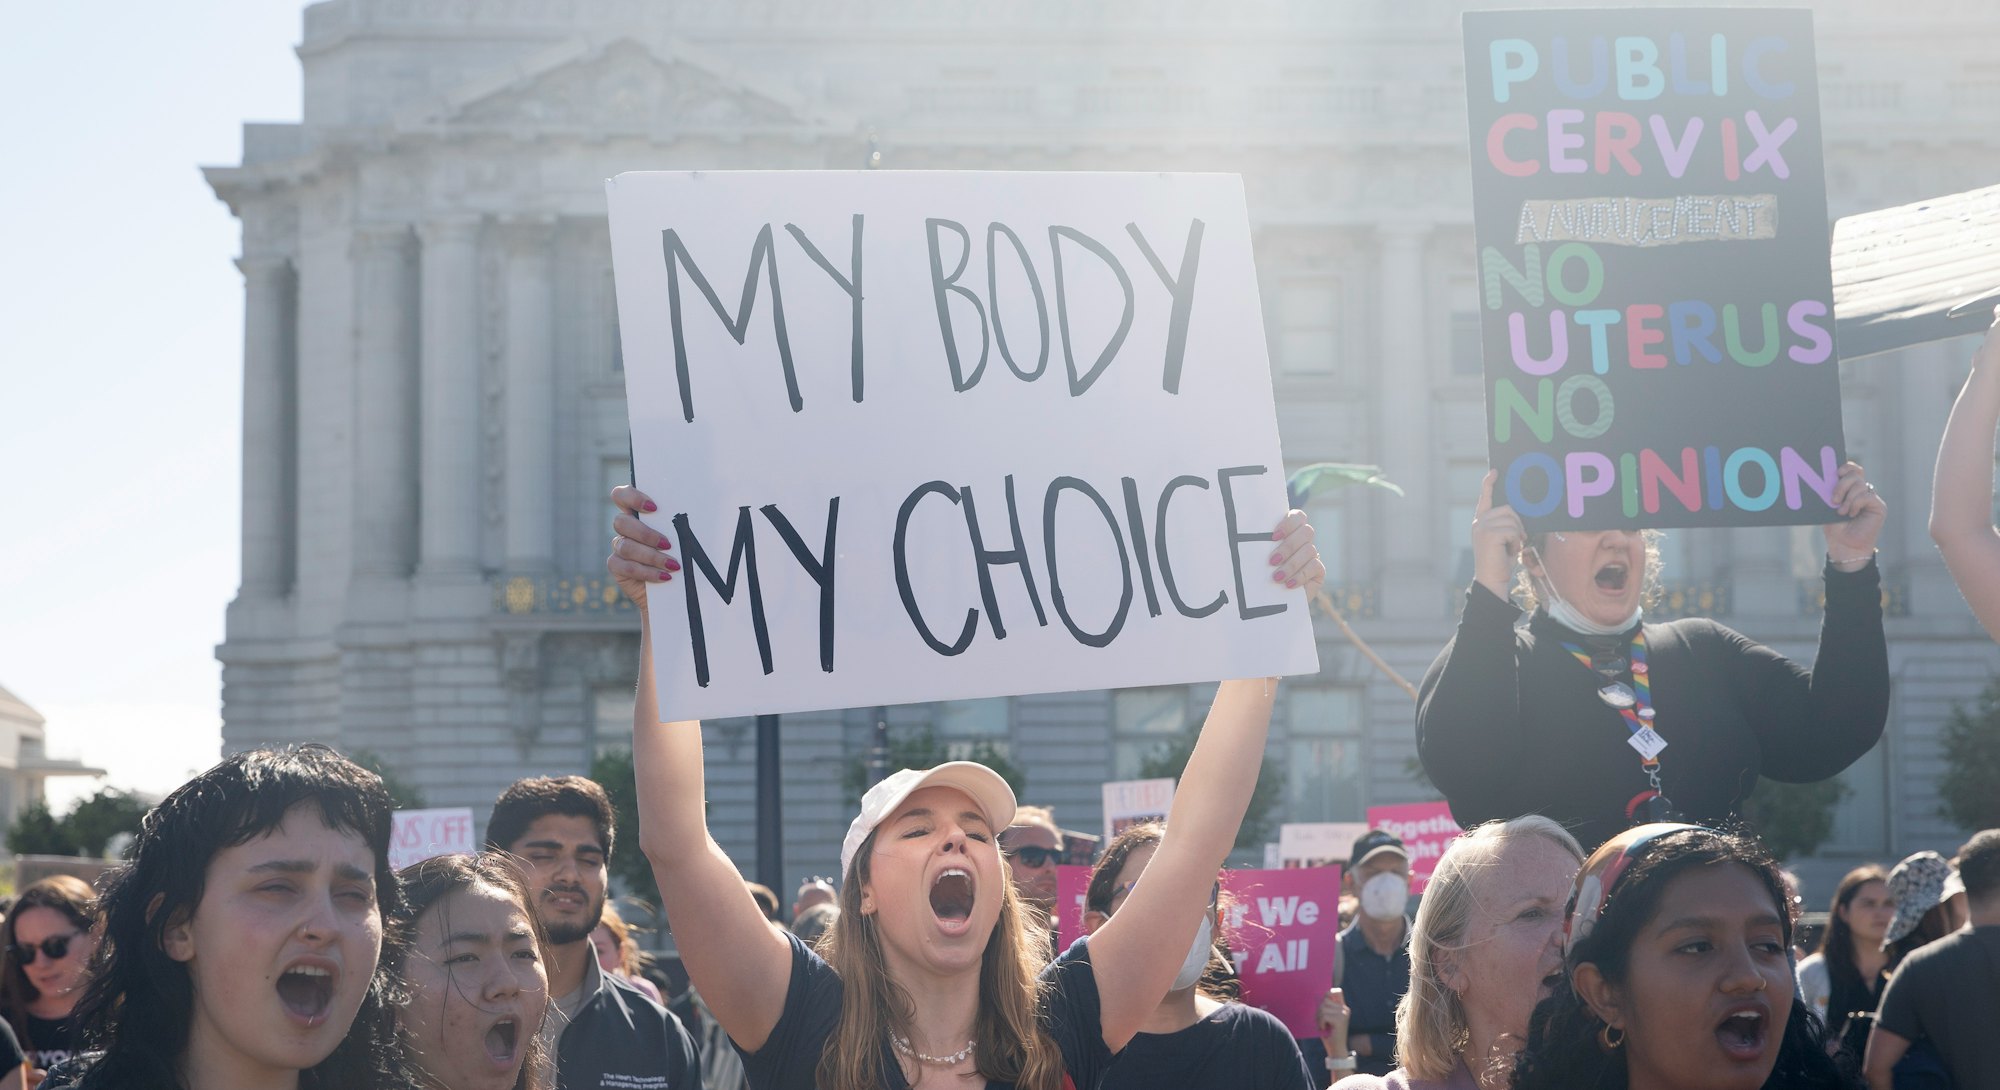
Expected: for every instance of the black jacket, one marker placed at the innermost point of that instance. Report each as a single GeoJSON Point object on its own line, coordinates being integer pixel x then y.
{"type": "Point", "coordinates": [621, 1040]}
{"type": "Point", "coordinates": [1509, 723]}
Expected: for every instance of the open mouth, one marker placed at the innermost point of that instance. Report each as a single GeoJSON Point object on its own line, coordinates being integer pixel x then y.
{"type": "Point", "coordinates": [307, 992]}
{"type": "Point", "coordinates": [951, 895]}
{"type": "Point", "coordinates": [1612, 576]}
{"type": "Point", "coordinates": [1742, 1034]}
{"type": "Point", "coordinates": [501, 1040]}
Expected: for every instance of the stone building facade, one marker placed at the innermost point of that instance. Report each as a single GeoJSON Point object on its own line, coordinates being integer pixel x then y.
{"type": "Point", "coordinates": [433, 399]}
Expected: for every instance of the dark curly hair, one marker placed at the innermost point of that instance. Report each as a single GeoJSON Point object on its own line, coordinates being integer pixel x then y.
{"type": "Point", "coordinates": [1218, 981]}
{"type": "Point", "coordinates": [140, 1002]}
{"type": "Point", "coordinates": [1563, 1051]}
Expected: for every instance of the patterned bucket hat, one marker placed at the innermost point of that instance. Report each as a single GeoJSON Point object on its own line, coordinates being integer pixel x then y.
{"type": "Point", "coordinates": [1916, 885]}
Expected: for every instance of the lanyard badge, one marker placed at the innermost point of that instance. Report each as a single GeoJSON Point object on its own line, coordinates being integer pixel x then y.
{"type": "Point", "coordinates": [1634, 704]}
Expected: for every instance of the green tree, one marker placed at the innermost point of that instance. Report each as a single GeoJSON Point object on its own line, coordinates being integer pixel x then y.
{"type": "Point", "coordinates": [1794, 819]}
{"type": "Point", "coordinates": [1971, 745]}
{"type": "Point", "coordinates": [95, 820]}
{"type": "Point", "coordinates": [1170, 759]}
{"type": "Point", "coordinates": [920, 748]}
{"type": "Point", "coordinates": [404, 794]}
{"type": "Point", "coordinates": [37, 832]}
{"type": "Point", "coordinates": [614, 772]}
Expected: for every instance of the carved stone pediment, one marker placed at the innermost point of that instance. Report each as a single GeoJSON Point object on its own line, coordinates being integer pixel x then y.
{"type": "Point", "coordinates": [626, 88]}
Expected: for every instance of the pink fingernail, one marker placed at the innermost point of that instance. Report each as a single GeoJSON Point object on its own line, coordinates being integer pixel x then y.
{"type": "Point", "coordinates": [672, 564]}
{"type": "Point", "coordinates": [664, 576]}
{"type": "Point", "coordinates": [665, 544]}
{"type": "Point", "coordinates": [1277, 558]}
{"type": "Point", "coordinates": [1291, 582]}
{"type": "Point", "coordinates": [651, 506]}
{"type": "Point", "coordinates": [1277, 577]}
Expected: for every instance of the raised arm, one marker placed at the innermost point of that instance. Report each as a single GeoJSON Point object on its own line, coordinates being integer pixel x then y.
{"type": "Point", "coordinates": [1163, 911]}
{"type": "Point", "coordinates": [1962, 493]}
{"type": "Point", "coordinates": [1468, 711]}
{"type": "Point", "coordinates": [741, 966]}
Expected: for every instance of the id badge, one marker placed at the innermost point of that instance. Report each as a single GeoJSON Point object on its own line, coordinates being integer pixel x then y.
{"type": "Point", "coordinates": [1648, 742]}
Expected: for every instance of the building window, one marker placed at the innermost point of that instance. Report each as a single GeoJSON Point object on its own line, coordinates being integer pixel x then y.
{"type": "Point", "coordinates": [1142, 721]}
{"type": "Point", "coordinates": [1308, 337]}
{"type": "Point", "coordinates": [611, 719]}
{"type": "Point", "coordinates": [1323, 780]}
{"type": "Point", "coordinates": [961, 725]}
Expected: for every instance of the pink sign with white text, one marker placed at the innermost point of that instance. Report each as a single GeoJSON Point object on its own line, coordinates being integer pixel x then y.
{"type": "Point", "coordinates": [1281, 926]}
{"type": "Point", "coordinates": [1425, 828]}
{"type": "Point", "coordinates": [1071, 882]}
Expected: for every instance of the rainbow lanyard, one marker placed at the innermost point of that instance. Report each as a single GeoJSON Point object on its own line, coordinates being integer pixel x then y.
{"type": "Point", "coordinates": [1633, 703]}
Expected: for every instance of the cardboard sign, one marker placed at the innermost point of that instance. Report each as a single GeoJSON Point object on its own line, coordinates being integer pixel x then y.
{"type": "Point", "coordinates": [417, 835]}
{"type": "Point", "coordinates": [1918, 273]}
{"type": "Point", "coordinates": [1317, 844]}
{"type": "Point", "coordinates": [1425, 828]}
{"type": "Point", "coordinates": [1281, 927]}
{"type": "Point", "coordinates": [1135, 802]}
{"type": "Point", "coordinates": [930, 435]}
{"type": "Point", "coordinates": [1656, 304]}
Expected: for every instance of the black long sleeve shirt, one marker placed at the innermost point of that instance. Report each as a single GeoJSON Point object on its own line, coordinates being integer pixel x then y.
{"type": "Point", "coordinates": [1510, 723]}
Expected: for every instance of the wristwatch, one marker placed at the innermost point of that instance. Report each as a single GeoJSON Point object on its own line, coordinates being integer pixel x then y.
{"type": "Point", "coordinates": [1340, 1063]}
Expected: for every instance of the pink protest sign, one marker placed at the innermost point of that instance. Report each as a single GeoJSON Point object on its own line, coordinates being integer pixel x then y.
{"type": "Point", "coordinates": [1282, 925]}
{"type": "Point", "coordinates": [1071, 882]}
{"type": "Point", "coordinates": [1424, 828]}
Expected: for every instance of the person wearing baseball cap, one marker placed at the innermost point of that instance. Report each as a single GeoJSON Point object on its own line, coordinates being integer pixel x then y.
{"type": "Point", "coordinates": [936, 971]}
{"type": "Point", "coordinates": [1372, 965]}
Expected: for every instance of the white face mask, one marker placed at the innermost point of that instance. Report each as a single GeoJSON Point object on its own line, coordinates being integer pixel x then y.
{"type": "Point", "coordinates": [1384, 896]}
{"type": "Point", "coordinates": [1197, 956]}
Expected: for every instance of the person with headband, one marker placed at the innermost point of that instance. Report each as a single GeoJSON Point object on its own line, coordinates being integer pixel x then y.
{"type": "Point", "coordinates": [1677, 975]}
{"type": "Point", "coordinates": [1600, 718]}
{"type": "Point", "coordinates": [1199, 1037]}
{"type": "Point", "coordinates": [937, 974]}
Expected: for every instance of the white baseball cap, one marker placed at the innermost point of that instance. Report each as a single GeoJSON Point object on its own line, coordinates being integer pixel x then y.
{"type": "Point", "coordinates": [988, 791]}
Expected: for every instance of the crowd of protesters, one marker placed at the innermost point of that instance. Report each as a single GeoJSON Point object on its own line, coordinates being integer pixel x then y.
{"type": "Point", "coordinates": [1604, 923]}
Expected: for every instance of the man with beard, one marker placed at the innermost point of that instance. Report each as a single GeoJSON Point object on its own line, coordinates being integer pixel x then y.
{"type": "Point", "coordinates": [603, 1032]}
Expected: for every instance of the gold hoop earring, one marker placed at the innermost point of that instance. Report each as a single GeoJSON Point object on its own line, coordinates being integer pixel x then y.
{"type": "Point", "coordinates": [1605, 1040]}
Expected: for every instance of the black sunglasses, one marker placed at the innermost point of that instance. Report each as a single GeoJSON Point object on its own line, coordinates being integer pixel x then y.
{"type": "Point", "coordinates": [1035, 855]}
{"type": "Point", "coordinates": [56, 947]}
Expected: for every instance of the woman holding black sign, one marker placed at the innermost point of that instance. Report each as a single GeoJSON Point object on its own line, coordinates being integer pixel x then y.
{"type": "Point", "coordinates": [1595, 717]}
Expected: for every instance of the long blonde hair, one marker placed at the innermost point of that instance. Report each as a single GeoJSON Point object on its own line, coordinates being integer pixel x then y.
{"type": "Point", "coordinates": [1011, 1046]}
{"type": "Point", "coordinates": [1431, 1027]}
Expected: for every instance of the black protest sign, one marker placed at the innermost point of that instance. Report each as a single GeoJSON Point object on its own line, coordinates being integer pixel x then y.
{"type": "Point", "coordinates": [1656, 317]}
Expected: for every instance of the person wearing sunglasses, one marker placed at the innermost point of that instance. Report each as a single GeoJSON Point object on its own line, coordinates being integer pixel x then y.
{"type": "Point", "coordinates": [48, 940]}
{"type": "Point", "coordinates": [1198, 1036]}
{"type": "Point", "coordinates": [1601, 717]}
{"type": "Point", "coordinates": [1033, 847]}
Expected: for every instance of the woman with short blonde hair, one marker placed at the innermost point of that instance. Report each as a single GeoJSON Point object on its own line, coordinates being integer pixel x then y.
{"type": "Point", "coordinates": [1487, 939]}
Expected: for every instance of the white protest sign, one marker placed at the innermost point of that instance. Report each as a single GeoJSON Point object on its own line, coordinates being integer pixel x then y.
{"type": "Point", "coordinates": [417, 835]}
{"type": "Point", "coordinates": [1317, 843]}
{"type": "Point", "coordinates": [1132, 802]}
{"type": "Point", "coordinates": [934, 435]}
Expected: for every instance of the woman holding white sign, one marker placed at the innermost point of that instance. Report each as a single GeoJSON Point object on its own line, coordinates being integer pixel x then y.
{"type": "Point", "coordinates": [934, 974]}
{"type": "Point", "coordinates": [1601, 719]}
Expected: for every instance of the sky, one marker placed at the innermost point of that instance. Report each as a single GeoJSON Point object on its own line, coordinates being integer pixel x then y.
{"type": "Point", "coordinates": [121, 352]}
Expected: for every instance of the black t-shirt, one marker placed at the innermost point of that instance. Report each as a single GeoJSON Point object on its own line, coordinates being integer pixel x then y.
{"type": "Point", "coordinates": [1949, 992]}
{"type": "Point", "coordinates": [1235, 1047]}
{"type": "Point", "coordinates": [53, 1040]}
{"type": "Point", "coordinates": [790, 1058]}
{"type": "Point", "coordinates": [10, 1048]}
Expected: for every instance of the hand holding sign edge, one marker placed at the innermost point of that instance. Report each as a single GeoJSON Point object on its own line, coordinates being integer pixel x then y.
{"type": "Point", "coordinates": [638, 552]}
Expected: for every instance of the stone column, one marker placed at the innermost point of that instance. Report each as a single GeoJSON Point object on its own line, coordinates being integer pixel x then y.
{"type": "Point", "coordinates": [450, 395]}
{"type": "Point", "coordinates": [530, 357]}
{"type": "Point", "coordinates": [269, 361]}
{"type": "Point", "coordinates": [1412, 584]}
{"type": "Point", "coordinates": [385, 477]}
